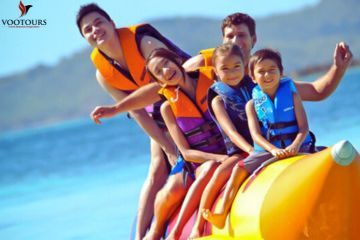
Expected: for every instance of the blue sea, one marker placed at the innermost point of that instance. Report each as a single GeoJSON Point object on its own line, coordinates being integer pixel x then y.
{"type": "Point", "coordinates": [78, 180]}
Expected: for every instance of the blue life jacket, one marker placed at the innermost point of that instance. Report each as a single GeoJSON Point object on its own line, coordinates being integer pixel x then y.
{"type": "Point", "coordinates": [277, 118]}
{"type": "Point", "coordinates": [235, 99]}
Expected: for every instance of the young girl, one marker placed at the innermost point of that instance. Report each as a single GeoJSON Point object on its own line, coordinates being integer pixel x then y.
{"type": "Point", "coordinates": [227, 99]}
{"type": "Point", "coordinates": [186, 115]}
{"type": "Point", "coordinates": [283, 131]}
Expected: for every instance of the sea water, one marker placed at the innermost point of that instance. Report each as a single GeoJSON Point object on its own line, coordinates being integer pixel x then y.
{"type": "Point", "coordinates": [338, 116]}
{"type": "Point", "coordinates": [78, 180]}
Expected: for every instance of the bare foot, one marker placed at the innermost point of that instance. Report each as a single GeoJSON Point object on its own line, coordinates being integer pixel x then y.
{"type": "Point", "coordinates": [216, 219]}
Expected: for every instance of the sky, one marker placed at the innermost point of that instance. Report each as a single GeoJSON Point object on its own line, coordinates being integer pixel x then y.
{"type": "Point", "coordinates": [25, 48]}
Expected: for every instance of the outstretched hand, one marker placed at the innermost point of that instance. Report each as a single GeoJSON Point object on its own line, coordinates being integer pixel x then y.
{"type": "Point", "coordinates": [102, 112]}
{"type": "Point", "coordinates": [342, 55]}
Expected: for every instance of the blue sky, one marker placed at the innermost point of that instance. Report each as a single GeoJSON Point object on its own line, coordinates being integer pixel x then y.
{"type": "Point", "coordinates": [24, 48]}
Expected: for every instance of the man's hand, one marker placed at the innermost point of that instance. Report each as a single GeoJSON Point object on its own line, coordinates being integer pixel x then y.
{"type": "Point", "coordinates": [342, 55]}
{"type": "Point", "coordinates": [102, 112]}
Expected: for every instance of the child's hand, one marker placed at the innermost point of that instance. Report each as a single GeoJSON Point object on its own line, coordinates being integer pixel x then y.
{"type": "Point", "coordinates": [292, 149]}
{"type": "Point", "coordinates": [102, 112]}
{"type": "Point", "coordinates": [279, 153]}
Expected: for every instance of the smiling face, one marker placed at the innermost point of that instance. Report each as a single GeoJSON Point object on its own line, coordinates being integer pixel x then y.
{"type": "Point", "coordinates": [96, 29]}
{"type": "Point", "coordinates": [230, 69]}
{"type": "Point", "coordinates": [165, 71]}
{"type": "Point", "coordinates": [267, 75]}
{"type": "Point", "coordinates": [240, 35]}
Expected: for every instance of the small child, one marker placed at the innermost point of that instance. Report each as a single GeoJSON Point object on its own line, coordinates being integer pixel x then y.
{"type": "Point", "coordinates": [227, 99]}
{"type": "Point", "coordinates": [283, 128]}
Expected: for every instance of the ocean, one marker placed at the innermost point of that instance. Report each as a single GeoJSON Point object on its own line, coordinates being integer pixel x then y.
{"type": "Point", "coordinates": [78, 180]}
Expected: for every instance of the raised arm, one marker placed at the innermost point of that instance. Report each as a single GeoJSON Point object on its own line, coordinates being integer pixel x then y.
{"type": "Point", "coordinates": [303, 126]}
{"type": "Point", "coordinates": [326, 84]}
{"type": "Point", "coordinates": [189, 154]}
{"type": "Point", "coordinates": [226, 124]}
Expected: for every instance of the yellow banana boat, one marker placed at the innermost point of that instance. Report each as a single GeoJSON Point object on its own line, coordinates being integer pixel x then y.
{"type": "Point", "coordinates": [315, 196]}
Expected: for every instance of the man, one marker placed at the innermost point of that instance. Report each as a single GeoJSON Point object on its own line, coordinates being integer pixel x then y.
{"type": "Point", "coordinates": [119, 56]}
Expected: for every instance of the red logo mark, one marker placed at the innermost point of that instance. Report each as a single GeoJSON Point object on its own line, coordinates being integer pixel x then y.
{"type": "Point", "coordinates": [24, 9]}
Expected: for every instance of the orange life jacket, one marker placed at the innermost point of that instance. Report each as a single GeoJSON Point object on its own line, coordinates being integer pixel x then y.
{"type": "Point", "coordinates": [133, 58]}
{"type": "Point", "coordinates": [193, 117]}
{"type": "Point", "coordinates": [184, 106]}
{"type": "Point", "coordinates": [207, 55]}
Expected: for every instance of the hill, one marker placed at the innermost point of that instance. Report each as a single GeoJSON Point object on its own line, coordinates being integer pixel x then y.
{"type": "Point", "coordinates": [305, 38]}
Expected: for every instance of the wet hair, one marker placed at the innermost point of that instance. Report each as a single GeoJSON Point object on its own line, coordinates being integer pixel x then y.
{"type": "Point", "coordinates": [227, 49]}
{"type": "Point", "coordinates": [237, 19]}
{"type": "Point", "coordinates": [167, 54]}
{"type": "Point", "coordinates": [263, 54]}
{"type": "Point", "coordinates": [89, 8]}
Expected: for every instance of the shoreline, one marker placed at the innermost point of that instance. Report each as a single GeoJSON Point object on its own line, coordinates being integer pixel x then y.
{"type": "Point", "coordinates": [320, 69]}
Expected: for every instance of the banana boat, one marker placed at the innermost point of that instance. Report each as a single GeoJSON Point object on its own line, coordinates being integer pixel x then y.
{"type": "Point", "coordinates": [314, 196]}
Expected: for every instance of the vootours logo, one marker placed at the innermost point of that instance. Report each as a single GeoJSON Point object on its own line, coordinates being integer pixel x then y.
{"type": "Point", "coordinates": [21, 22]}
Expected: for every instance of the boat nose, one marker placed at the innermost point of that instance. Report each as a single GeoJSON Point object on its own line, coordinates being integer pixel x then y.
{"type": "Point", "coordinates": [343, 153]}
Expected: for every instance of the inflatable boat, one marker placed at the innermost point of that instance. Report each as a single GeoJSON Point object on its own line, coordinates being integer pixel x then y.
{"type": "Point", "coordinates": [313, 196]}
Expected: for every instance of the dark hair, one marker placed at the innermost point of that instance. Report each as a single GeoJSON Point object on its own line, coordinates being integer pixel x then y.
{"type": "Point", "coordinates": [237, 19]}
{"type": "Point", "coordinates": [168, 54]}
{"type": "Point", "coordinates": [89, 8]}
{"type": "Point", "coordinates": [263, 54]}
{"type": "Point", "coordinates": [227, 49]}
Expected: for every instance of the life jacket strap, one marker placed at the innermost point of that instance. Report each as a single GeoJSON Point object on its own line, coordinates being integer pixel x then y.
{"type": "Point", "coordinates": [290, 136]}
{"type": "Point", "coordinates": [209, 141]}
{"type": "Point", "coordinates": [281, 137]}
{"type": "Point", "coordinates": [205, 127]}
{"type": "Point", "coordinates": [280, 125]}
